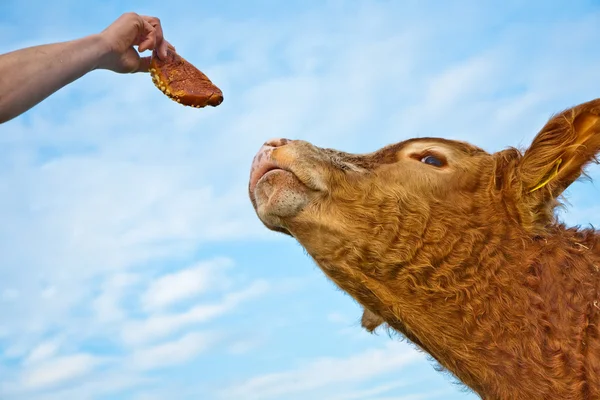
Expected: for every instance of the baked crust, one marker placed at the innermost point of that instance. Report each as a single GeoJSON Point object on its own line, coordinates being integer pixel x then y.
{"type": "Point", "coordinates": [182, 82]}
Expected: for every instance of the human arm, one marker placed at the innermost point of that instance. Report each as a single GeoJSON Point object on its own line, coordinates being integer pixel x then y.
{"type": "Point", "coordinates": [30, 75]}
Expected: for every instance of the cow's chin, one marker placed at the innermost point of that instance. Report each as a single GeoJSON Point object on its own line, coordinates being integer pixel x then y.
{"type": "Point", "coordinates": [278, 197]}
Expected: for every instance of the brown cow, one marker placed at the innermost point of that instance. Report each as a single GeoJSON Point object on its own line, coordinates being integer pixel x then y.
{"type": "Point", "coordinates": [457, 249]}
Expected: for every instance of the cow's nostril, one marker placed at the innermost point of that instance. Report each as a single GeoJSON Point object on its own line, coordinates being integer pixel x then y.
{"type": "Point", "coordinates": [277, 142]}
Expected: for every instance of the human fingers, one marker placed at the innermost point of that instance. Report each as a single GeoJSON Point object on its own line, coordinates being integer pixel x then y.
{"type": "Point", "coordinates": [162, 49]}
{"type": "Point", "coordinates": [170, 47]}
{"type": "Point", "coordinates": [147, 37]}
{"type": "Point", "coordinates": [144, 64]}
{"type": "Point", "coordinates": [160, 43]}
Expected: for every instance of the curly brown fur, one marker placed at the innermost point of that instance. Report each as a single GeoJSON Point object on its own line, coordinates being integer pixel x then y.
{"type": "Point", "coordinates": [465, 259]}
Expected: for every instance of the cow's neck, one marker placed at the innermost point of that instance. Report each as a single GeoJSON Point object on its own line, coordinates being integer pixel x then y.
{"type": "Point", "coordinates": [459, 296]}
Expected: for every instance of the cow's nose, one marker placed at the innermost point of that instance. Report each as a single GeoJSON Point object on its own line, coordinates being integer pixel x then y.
{"type": "Point", "coordinates": [263, 161]}
{"type": "Point", "coordinates": [277, 142]}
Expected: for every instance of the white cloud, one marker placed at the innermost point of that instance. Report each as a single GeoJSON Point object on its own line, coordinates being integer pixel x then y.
{"type": "Point", "coordinates": [42, 352]}
{"type": "Point", "coordinates": [160, 325]}
{"type": "Point", "coordinates": [184, 284]}
{"type": "Point", "coordinates": [58, 370]}
{"type": "Point", "coordinates": [324, 372]}
{"type": "Point", "coordinates": [100, 384]}
{"type": "Point", "coordinates": [434, 394]}
{"type": "Point", "coordinates": [376, 393]}
{"type": "Point", "coordinates": [171, 353]}
{"type": "Point", "coordinates": [470, 78]}
{"type": "Point", "coordinates": [107, 305]}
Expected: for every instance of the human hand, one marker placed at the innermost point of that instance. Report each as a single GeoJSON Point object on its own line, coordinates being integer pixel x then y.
{"type": "Point", "coordinates": [130, 30]}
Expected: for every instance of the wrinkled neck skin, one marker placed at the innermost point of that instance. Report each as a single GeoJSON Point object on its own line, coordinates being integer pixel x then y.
{"type": "Point", "coordinates": [456, 287]}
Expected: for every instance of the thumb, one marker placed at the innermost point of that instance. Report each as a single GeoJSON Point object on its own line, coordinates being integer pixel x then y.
{"type": "Point", "coordinates": [144, 64]}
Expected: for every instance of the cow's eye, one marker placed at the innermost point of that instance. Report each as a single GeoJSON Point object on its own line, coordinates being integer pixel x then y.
{"type": "Point", "coordinates": [432, 160]}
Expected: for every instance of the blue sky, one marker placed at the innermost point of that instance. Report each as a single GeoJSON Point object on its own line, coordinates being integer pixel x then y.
{"type": "Point", "coordinates": [133, 266]}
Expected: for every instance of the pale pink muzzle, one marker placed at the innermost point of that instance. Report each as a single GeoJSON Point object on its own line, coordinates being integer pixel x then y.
{"type": "Point", "coordinates": [263, 162]}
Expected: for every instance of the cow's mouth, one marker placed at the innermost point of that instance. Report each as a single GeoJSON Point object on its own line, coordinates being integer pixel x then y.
{"type": "Point", "coordinates": [275, 190]}
{"type": "Point", "coordinates": [262, 172]}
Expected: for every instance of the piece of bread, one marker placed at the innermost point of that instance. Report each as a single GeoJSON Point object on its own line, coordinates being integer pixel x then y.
{"type": "Point", "coordinates": [182, 82]}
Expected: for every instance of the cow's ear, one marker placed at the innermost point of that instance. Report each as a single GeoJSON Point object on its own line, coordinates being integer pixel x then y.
{"type": "Point", "coordinates": [559, 153]}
